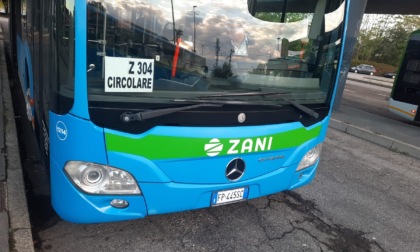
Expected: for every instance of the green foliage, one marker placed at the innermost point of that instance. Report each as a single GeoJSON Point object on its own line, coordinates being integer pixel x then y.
{"type": "Point", "coordinates": [383, 38]}
{"type": "Point", "coordinates": [223, 72]}
{"type": "Point", "coordinates": [268, 16]}
{"type": "Point", "coordinates": [276, 16]}
{"type": "Point", "coordinates": [295, 17]}
{"type": "Point", "coordinates": [295, 45]}
{"type": "Point", "coordinates": [260, 69]}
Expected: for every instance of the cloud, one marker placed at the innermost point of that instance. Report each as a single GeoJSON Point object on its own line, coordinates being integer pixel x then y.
{"type": "Point", "coordinates": [214, 20]}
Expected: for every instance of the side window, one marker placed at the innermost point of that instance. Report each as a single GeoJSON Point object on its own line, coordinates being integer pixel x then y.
{"type": "Point", "coordinates": [407, 86]}
{"type": "Point", "coordinates": [23, 17]}
{"type": "Point", "coordinates": [412, 72]}
{"type": "Point", "coordinates": [63, 37]}
{"type": "Point", "coordinates": [46, 54]}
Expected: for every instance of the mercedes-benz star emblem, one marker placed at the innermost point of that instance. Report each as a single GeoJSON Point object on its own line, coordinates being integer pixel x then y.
{"type": "Point", "coordinates": [235, 169]}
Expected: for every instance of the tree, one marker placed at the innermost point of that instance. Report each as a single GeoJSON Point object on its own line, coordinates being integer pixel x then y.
{"type": "Point", "coordinates": [276, 16]}
{"type": "Point", "coordinates": [223, 72]}
{"type": "Point", "coordinates": [383, 38]}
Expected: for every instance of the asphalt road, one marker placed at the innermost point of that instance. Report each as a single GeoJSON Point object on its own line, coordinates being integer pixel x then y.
{"type": "Point", "coordinates": [364, 198]}
{"type": "Point", "coordinates": [366, 97]}
{"type": "Point", "coordinates": [369, 98]}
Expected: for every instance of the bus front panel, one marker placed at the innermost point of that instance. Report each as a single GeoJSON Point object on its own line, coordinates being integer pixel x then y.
{"type": "Point", "coordinates": [174, 108]}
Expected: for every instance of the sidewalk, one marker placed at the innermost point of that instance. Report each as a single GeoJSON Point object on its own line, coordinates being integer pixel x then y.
{"type": "Point", "coordinates": [15, 227]}
{"type": "Point", "coordinates": [394, 135]}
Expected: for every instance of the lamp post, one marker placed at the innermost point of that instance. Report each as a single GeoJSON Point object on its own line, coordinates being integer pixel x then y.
{"type": "Point", "coordinates": [194, 25]}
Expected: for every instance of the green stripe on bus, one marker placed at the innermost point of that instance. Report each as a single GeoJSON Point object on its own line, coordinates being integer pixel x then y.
{"type": "Point", "coordinates": [168, 147]}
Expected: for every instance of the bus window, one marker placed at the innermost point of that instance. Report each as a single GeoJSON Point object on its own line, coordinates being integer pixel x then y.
{"type": "Point", "coordinates": [64, 28]}
{"type": "Point", "coordinates": [405, 95]}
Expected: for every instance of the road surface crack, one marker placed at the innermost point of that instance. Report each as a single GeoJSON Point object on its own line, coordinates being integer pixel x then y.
{"type": "Point", "coordinates": [333, 236]}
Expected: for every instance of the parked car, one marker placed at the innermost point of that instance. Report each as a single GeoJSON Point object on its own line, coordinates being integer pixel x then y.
{"type": "Point", "coordinates": [363, 69]}
{"type": "Point", "coordinates": [390, 75]}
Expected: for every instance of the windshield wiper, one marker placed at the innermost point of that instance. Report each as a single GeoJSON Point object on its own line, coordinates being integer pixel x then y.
{"type": "Point", "coordinates": [242, 94]}
{"type": "Point", "coordinates": [298, 106]}
{"type": "Point", "coordinates": [141, 116]}
{"type": "Point", "coordinates": [225, 102]}
{"type": "Point", "coordinates": [301, 107]}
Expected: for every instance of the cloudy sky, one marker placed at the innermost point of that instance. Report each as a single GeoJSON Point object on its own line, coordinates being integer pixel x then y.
{"type": "Point", "coordinates": [214, 19]}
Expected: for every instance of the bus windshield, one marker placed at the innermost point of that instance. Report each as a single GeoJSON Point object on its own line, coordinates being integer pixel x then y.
{"type": "Point", "coordinates": [149, 51]}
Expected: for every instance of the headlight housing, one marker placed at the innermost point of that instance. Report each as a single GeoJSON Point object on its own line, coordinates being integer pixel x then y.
{"type": "Point", "coordinates": [101, 179]}
{"type": "Point", "coordinates": [310, 158]}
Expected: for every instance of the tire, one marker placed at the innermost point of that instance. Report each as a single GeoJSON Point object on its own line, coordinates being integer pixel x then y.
{"type": "Point", "coordinates": [355, 71]}
{"type": "Point", "coordinates": [371, 74]}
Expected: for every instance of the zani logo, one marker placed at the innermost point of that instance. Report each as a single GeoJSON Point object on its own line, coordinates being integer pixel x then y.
{"type": "Point", "coordinates": [213, 148]}
{"type": "Point", "coordinates": [236, 146]}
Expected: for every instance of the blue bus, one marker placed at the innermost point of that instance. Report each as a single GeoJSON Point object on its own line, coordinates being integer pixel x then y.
{"type": "Point", "coordinates": [405, 95]}
{"type": "Point", "coordinates": [150, 107]}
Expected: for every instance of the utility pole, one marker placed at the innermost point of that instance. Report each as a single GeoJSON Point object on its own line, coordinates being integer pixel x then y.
{"type": "Point", "coordinates": [217, 51]}
{"type": "Point", "coordinates": [194, 25]}
{"type": "Point", "coordinates": [230, 56]}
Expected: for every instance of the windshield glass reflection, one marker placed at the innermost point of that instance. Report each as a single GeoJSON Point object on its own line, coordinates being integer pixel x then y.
{"type": "Point", "coordinates": [217, 46]}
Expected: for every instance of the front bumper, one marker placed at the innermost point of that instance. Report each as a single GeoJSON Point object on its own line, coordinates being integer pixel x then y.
{"type": "Point", "coordinates": [161, 198]}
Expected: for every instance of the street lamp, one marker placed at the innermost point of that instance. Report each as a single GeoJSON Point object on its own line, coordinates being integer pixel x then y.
{"type": "Point", "coordinates": [194, 25]}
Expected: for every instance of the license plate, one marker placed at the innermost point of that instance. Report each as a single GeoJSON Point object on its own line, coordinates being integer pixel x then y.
{"type": "Point", "coordinates": [229, 196]}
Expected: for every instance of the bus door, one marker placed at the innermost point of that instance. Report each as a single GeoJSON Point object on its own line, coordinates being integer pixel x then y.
{"type": "Point", "coordinates": [13, 30]}
{"type": "Point", "coordinates": [40, 58]}
{"type": "Point", "coordinates": [34, 45]}
{"type": "Point", "coordinates": [35, 95]}
{"type": "Point", "coordinates": [27, 56]}
{"type": "Point", "coordinates": [46, 73]}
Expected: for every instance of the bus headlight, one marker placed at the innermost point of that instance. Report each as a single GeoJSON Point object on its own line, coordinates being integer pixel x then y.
{"type": "Point", "coordinates": [101, 179]}
{"type": "Point", "coordinates": [310, 158]}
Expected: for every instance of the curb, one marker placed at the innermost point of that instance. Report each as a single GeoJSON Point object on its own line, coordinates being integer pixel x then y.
{"type": "Point", "coordinates": [4, 217]}
{"type": "Point", "coordinates": [20, 233]}
{"type": "Point", "coordinates": [381, 140]}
